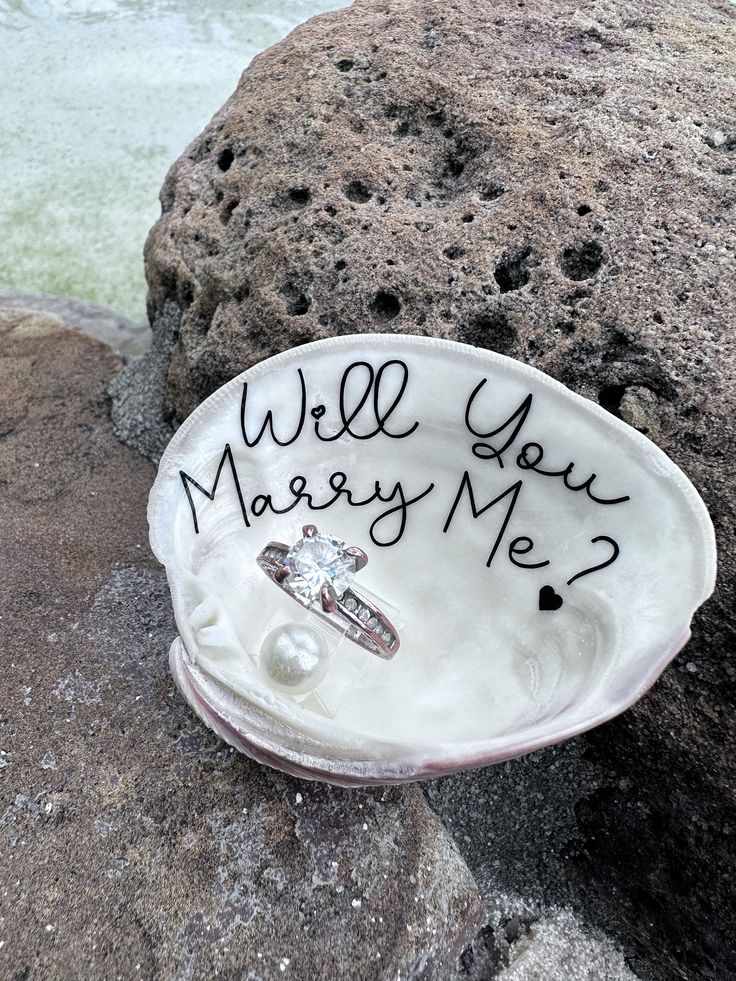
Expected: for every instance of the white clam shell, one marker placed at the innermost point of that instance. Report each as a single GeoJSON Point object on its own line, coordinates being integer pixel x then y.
{"type": "Point", "coordinates": [483, 674]}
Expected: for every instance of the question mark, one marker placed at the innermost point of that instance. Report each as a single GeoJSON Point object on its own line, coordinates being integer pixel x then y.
{"type": "Point", "coordinates": [595, 568]}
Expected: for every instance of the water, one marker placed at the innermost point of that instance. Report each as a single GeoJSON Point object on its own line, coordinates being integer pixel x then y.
{"type": "Point", "coordinates": [99, 97]}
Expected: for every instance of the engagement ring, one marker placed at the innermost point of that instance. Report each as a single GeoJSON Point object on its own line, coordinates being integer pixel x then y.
{"type": "Point", "coordinates": [318, 572]}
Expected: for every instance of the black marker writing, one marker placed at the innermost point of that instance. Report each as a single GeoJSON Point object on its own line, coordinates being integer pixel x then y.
{"type": "Point", "coordinates": [374, 381]}
{"type": "Point", "coordinates": [364, 406]}
{"type": "Point", "coordinates": [516, 548]}
{"type": "Point", "coordinates": [595, 568]}
{"type": "Point", "coordinates": [299, 494]}
{"type": "Point", "coordinates": [523, 462]}
{"type": "Point", "coordinates": [187, 480]}
{"type": "Point", "coordinates": [531, 453]}
{"type": "Point", "coordinates": [268, 419]}
{"type": "Point", "coordinates": [486, 450]}
{"type": "Point", "coordinates": [467, 487]}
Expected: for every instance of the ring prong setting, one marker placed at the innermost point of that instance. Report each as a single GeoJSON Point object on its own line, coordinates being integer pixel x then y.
{"type": "Point", "coordinates": [361, 559]}
{"type": "Point", "coordinates": [329, 599]}
{"type": "Point", "coordinates": [309, 531]}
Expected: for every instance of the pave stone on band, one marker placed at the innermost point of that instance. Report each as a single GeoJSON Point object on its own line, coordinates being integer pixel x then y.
{"type": "Point", "coordinates": [318, 572]}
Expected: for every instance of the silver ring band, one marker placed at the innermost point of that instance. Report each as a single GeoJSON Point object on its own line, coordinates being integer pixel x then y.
{"type": "Point", "coordinates": [360, 620]}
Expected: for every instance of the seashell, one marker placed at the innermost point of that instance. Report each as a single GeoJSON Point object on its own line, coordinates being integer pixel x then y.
{"type": "Point", "coordinates": [540, 559]}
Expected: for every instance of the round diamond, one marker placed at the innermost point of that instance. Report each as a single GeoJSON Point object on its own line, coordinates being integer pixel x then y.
{"type": "Point", "coordinates": [365, 614]}
{"type": "Point", "coordinates": [316, 562]}
{"type": "Point", "coordinates": [351, 604]}
{"type": "Point", "coordinates": [372, 623]}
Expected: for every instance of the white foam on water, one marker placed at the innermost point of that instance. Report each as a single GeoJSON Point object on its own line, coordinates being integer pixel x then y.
{"type": "Point", "coordinates": [99, 97]}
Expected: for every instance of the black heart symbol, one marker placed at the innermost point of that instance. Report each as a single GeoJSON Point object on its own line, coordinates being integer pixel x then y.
{"type": "Point", "coordinates": [318, 411]}
{"type": "Point", "coordinates": [549, 599]}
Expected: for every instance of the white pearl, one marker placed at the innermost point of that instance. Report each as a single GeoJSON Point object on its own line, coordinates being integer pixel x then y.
{"type": "Point", "coordinates": [294, 658]}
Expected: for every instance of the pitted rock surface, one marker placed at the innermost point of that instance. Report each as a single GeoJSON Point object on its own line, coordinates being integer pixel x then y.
{"type": "Point", "coordinates": [551, 180]}
{"type": "Point", "coordinates": [133, 843]}
{"type": "Point", "coordinates": [554, 181]}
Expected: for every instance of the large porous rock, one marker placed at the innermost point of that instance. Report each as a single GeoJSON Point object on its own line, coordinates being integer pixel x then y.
{"type": "Point", "coordinates": [551, 180]}
{"type": "Point", "coordinates": [554, 181]}
{"type": "Point", "coordinates": [134, 844]}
